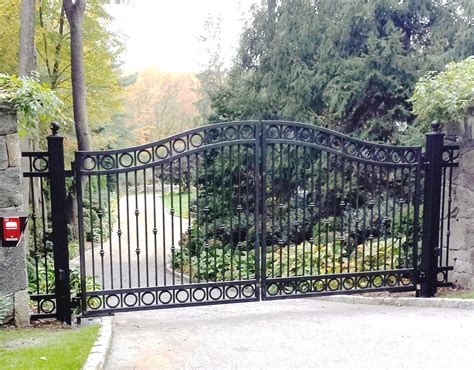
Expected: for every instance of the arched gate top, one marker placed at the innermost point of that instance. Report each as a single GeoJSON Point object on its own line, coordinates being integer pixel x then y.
{"type": "Point", "coordinates": [244, 132]}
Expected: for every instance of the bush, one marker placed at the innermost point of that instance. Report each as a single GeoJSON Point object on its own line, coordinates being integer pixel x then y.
{"type": "Point", "coordinates": [223, 263]}
{"type": "Point", "coordinates": [445, 96]}
{"type": "Point", "coordinates": [35, 103]}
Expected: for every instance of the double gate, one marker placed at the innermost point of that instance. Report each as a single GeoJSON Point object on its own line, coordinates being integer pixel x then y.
{"type": "Point", "coordinates": [244, 211]}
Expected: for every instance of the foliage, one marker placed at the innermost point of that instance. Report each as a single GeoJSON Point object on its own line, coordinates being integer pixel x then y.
{"type": "Point", "coordinates": [215, 263]}
{"type": "Point", "coordinates": [46, 280]}
{"type": "Point", "coordinates": [102, 50]}
{"type": "Point", "coordinates": [37, 105]}
{"type": "Point", "coordinates": [218, 262]}
{"type": "Point", "coordinates": [179, 202]}
{"type": "Point", "coordinates": [98, 213]}
{"type": "Point", "coordinates": [211, 78]}
{"type": "Point", "coordinates": [9, 35]}
{"type": "Point", "coordinates": [458, 294]}
{"type": "Point", "coordinates": [47, 348]}
{"type": "Point", "coordinates": [159, 104]}
{"type": "Point", "coordinates": [348, 65]}
{"type": "Point", "coordinates": [447, 95]}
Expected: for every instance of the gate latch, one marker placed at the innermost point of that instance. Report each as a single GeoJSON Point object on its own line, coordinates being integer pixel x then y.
{"type": "Point", "coordinates": [421, 276]}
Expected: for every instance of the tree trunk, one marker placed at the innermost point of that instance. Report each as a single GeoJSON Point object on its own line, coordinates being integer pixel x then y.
{"type": "Point", "coordinates": [75, 16]}
{"type": "Point", "coordinates": [28, 63]}
{"type": "Point", "coordinates": [27, 57]}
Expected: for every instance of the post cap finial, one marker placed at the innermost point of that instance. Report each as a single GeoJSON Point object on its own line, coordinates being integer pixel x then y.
{"type": "Point", "coordinates": [54, 127]}
{"type": "Point", "coordinates": [435, 126]}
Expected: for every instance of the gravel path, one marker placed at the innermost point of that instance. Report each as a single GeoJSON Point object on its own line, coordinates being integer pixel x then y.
{"type": "Point", "coordinates": [299, 333]}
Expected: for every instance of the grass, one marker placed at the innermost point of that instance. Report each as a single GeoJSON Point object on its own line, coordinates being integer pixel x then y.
{"type": "Point", "coordinates": [46, 348]}
{"type": "Point", "coordinates": [176, 197]}
{"type": "Point", "coordinates": [463, 294]}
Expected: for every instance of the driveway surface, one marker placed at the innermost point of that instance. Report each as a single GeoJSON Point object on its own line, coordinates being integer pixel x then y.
{"type": "Point", "coordinates": [296, 333]}
{"type": "Point", "coordinates": [120, 266]}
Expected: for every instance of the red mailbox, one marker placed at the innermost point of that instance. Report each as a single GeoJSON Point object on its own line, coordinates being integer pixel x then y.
{"type": "Point", "coordinates": [11, 229]}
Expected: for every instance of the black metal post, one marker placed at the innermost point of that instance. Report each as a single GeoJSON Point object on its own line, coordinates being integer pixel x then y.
{"type": "Point", "coordinates": [59, 226]}
{"type": "Point", "coordinates": [431, 211]}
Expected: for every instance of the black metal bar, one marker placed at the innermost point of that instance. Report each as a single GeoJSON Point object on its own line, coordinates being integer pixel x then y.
{"type": "Point", "coordinates": [431, 210]}
{"type": "Point", "coordinates": [59, 225]}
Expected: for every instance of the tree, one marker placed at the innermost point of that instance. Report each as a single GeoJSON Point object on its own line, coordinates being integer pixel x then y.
{"type": "Point", "coordinates": [75, 14]}
{"type": "Point", "coordinates": [350, 66]}
{"type": "Point", "coordinates": [27, 57]}
{"type": "Point", "coordinates": [211, 78]}
{"type": "Point", "coordinates": [9, 42]}
{"type": "Point", "coordinates": [102, 49]}
{"type": "Point", "coordinates": [159, 104]}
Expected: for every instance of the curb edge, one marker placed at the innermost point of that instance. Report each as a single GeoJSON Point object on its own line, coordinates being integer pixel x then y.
{"type": "Point", "coordinates": [403, 301]}
{"type": "Point", "coordinates": [98, 353]}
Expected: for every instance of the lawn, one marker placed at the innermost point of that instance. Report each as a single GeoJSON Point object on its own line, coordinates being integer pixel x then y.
{"type": "Point", "coordinates": [176, 197]}
{"type": "Point", "coordinates": [464, 294]}
{"type": "Point", "coordinates": [46, 348]}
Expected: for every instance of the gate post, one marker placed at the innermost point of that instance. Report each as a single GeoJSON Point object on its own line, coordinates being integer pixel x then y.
{"type": "Point", "coordinates": [431, 210]}
{"type": "Point", "coordinates": [57, 178]}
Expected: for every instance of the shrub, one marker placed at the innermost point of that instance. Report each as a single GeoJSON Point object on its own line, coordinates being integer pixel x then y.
{"type": "Point", "coordinates": [445, 96]}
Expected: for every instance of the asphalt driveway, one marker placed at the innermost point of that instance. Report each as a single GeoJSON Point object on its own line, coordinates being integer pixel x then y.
{"type": "Point", "coordinates": [289, 334]}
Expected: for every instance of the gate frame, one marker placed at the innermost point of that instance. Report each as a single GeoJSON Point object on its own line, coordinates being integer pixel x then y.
{"type": "Point", "coordinates": [57, 174]}
{"type": "Point", "coordinates": [433, 159]}
{"type": "Point", "coordinates": [428, 267]}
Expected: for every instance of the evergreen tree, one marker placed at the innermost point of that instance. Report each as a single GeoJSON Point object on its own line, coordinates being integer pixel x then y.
{"type": "Point", "coordinates": [347, 65]}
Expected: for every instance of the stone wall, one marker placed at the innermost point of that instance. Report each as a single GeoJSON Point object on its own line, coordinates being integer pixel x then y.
{"type": "Point", "coordinates": [462, 215]}
{"type": "Point", "coordinates": [13, 273]}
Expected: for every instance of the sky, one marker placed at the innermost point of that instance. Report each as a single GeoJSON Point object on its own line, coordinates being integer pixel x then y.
{"type": "Point", "coordinates": [165, 33]}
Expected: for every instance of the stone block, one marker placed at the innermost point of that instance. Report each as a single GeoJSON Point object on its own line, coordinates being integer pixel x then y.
{"type": "Point", "coordinates": [7, 300]}
{"type": "Point", "coordinates": [462, 280]}
{"type": "Point", "coordinates": [22, 309]}
{"type": "Point", "coordinates": [3, 153]}
{"type": "Point", "coordinates": [13, 277]}
{"type": "Point", "coordinates": [471, 255]}
{"type": "Point", "coordinates": [459, 255]}
{"type": "Point", "coordinates": [8, 122]}
{"type": "Point", "coordinates": [467, 162]}
{"type": "Point", "coordinates": [469, 235]}
{"type": "Point", "coordinates": [13, 149]}
{"type": "Point", "coordinates": [456, 241]}
{"type": "Point", "coordinates": [464, 200]}
{"type": "Point", "coordinates": [463, 266]}
{"type": "Point", "coordinates": [10, 188]}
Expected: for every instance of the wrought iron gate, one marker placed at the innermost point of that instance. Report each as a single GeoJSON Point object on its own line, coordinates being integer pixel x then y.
{"type": "Point", "coordinates": [243, 211]}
